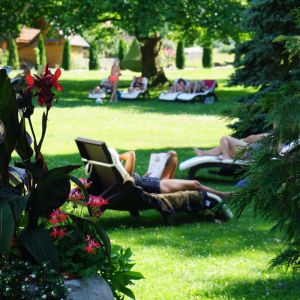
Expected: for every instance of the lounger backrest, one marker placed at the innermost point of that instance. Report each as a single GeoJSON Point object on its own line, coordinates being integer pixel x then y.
{"type": "Point", "coordinates": [287, 148]}
{"type": "Point", "coordinates": [144, 81]}
{"type": "Point", "coordinates": [97, 157]}
{"type": "Point", "coordinates": [211, 84]}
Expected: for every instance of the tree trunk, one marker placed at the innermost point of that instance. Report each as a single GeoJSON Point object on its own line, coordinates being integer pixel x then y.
{"type": "Point", "coordinates": [151, 64]}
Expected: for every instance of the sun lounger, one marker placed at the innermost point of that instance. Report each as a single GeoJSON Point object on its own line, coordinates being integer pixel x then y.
{"type": "Point", "coordinates": [111, 182]}
{"type": "Point", "coordinates": [170, 96]}
{"type": "Point", "coordinates": [137, 94]}
{"type": "Point", "coordinates": [104, 90]}
{"type": "Point", "coordinates": [207, 96]}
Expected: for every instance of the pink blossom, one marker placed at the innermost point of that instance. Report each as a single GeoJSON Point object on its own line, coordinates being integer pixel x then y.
{"type": "Point", "coordinates": [96, 201]}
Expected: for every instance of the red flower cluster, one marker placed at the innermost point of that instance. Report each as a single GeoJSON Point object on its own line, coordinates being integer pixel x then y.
{"type": "Point", "coordinates": [92, 245]}
{"type": "Point", "coordinates": [58, 216]}
{"type": "Point", "coordinates": [76, 194]}
{"type": "Point", "coordinates": [43, 85]}
{"type": "Point", "coordinates": [96, 201]}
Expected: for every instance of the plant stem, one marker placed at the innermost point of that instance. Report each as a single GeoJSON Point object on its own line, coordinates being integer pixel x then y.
{"type": "Point", "coordinates": [33, 134]}
{"type": "Point", "coordinates": [44, 128]}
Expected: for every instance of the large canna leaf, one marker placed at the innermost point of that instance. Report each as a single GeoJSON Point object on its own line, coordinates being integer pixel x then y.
{"type": "Point", "coordinates": [23, 147]}
{"type": "Point", "coordinates": [9, 117]}
{"type": "Point", "coordinates": [7, 226]}
{"type": "Point", "coordinates": [39, 244]}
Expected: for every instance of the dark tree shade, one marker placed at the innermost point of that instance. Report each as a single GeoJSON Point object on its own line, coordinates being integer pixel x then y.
{"type": "Point", "coordinates": [122, 50]}
{"type": "Point", "coordinates": [262, 61]}
{"type": "Point", "coordinates": [13, 56]}
{"type": "Point", "coordinates": [207, 57]}
{"type": "Point", "coordinates": [42, 51]}
{"type": "Point", "coordinates": [180, 58]}
{"type": "Point", "coordinates": [66, 58]}
{"type": "Point", "coordinates": [93, 57]}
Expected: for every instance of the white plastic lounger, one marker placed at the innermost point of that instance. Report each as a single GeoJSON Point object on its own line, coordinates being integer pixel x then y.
{"type": "Point", "coordinates": [136, 94]}
{"type": "Point", "coordinates": [197, 163]}
{"type": "Point", "coordinates": [96, 95]}
{"type": "Point", "coordinates": [207, 96]}
{"type": "Point", "coordinates": [169, 96]}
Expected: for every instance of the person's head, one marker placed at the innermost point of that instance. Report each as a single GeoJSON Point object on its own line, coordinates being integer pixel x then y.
{"type": "Point", "coordinates": [181, 82]}
{"type": "Point", "coordinates": [138, 79]}
{"type": "Point", "coordinates": [116, 61]}
{"type": "Point", "coordinates": [25, 68]}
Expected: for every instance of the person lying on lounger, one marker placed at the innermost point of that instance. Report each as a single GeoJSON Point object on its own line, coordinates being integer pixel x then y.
{"type": "Point", "coordinates": [179, 86]}
{"type": "Point", "coordinates": [230, 146]}
{"type": "Point", "coordinates": [137, 85]}
{"type": "Point", "coordinates": [197, 86]}
{"type": "Point", "coordinates": [166, 183]}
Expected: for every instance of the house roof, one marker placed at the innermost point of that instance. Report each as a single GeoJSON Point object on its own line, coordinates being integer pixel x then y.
{"type": "Point", "coordinates": [27, 35]}
{"type": "Point", "coordinates": [77, 40]}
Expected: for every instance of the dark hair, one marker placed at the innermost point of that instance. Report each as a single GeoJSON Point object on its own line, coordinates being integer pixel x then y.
{"type": "Point", "coordinates": [181, 80]}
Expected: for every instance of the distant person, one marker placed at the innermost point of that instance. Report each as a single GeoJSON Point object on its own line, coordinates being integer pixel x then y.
{"type": "Point", "coordinates": [137, 85]}
{"type": "Point", "coordinates": [114, 79]}
{"type": "Point", "coordinates": [229, 146]}
{"type": "Point", "coordinates": [197, 86]}
{"type": "Point", "coordinates": [179, 86]}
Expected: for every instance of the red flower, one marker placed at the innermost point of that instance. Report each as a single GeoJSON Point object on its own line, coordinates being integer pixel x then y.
{"type": "Point", "coordinates": [58, 232]}
{"type": "Point", "coordinates": [43, 85]}
{"type": "Point", "coordinates": [96, 201]}
{"type": "Point", "coordinates": [57, 216]}
{"type": "Point", "coordinates": [92, 245]}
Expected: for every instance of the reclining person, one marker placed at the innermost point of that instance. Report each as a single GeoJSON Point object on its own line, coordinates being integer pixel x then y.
{"type": "Point", "coordinates": [137, 85]}
{"type": "Point", "coordinates": [230, 146]}
{"type": "Point", "coordinates": [197, 86]}
{"type": "Point", "coordinates": [166, 183]}
{"type": "Point", "coordinates": [179, 86]}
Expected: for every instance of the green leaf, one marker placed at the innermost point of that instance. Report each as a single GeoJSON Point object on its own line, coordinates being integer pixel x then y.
{"type": "Point", "coordinates": [23, 148]}
{"type": "Point", "coordinates": [134, 275]}
{"type": "Point", "coordinates": [39, 244]}
{"type": "Point", "coordinates": [7, 226]}
{"type": "Point", "coordinates": [126, 291]}
{"type": "Point", "coordinates": [18, 205]}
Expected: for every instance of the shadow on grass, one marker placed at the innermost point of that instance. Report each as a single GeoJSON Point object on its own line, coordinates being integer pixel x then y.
{"type": "Point", "coordinates": [76, 93]}
{"type": "Point", "coordinates": [285, 287]}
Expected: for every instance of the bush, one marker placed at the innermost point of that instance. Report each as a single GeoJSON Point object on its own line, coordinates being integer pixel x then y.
{"type": "Point", "coordinates": [122, 50]}
{"type": "Point", "coordinates": [66, 59]}
{"type": "Point", "coordinates": [180, 59]}
{"type": "Point", "coordinates": [13, 56]}
{"type": "Point", "coordinates": [42, 51]}
{"type": "Point", "coordinates": [207, 57]}
{"type": "Point", "coordinates": [37, 58]}
{"type": "Point", "coordinates": [93, 57]}
{"type": "Point", "coordinates": [3, 57]}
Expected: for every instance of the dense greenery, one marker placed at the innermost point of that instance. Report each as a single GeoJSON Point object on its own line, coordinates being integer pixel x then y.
{"type": "Point", "coordinates": [13, 56]}
{"type": "Point", "coordinates": [66, 56]}
{"type": "Point", "coordinates": [132, 61]}
{"type": "Point", "coordinates": [93, 57]}
{"type": "Point", "coordinates": [207, 57]}
{"type": "Point", "coordinates": [263, 61]}
{"type": "Point", "coordinates": [180, 58]}
{"type": "Point", "coordinates": [122, 50]}
{"type": "Point", "coordinates": [42, 51]}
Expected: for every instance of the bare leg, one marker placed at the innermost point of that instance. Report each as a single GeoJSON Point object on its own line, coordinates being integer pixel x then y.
{"type": "Point", "coordinates": [230, 146]}
{"type": "Point", "coordinates": [171, 165]}
{"type": "Point", "coordinates": [114, 92]}
{"type": "Point", "coordinates": [213, 152]}
{"type": "Point", "coordinates": [177, 185]}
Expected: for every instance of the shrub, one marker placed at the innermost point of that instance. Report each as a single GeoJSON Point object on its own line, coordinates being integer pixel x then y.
{"type": "Point", "coordinates": [13, 56]}
{"type": "Point", "coordinates": [93, 57]}
{"type": "Point", "coordinates": [66, 59]}
{"type": "Point", "coordinates": [122, 50]}
{"type": "Point", "coordinates": [207, 57]}
{"type": "Point", "coordinates": [180, 58]}
{"type": "Point", "coordinates": [37, 58]}
{"type": "Point", "coordinates": [42, 51]}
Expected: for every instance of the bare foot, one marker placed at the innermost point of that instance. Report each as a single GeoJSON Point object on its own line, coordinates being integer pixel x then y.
{"type": "Point", "coordinates": [198, 152]}
{"type": "Point", "coordinates": [225, 195]}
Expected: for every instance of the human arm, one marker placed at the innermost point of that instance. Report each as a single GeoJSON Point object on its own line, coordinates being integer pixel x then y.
{"type": "Point", "coordinates": [129, 158]}
{"type": "Point", "coordinates": [254, 137]}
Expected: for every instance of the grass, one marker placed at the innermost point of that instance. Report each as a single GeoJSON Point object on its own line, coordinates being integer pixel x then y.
{"type": "Point", "coordinates": [196, 259]}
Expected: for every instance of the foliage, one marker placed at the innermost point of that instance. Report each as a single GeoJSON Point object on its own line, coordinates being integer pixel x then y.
{"type": "Point", "coordinates": [13, 56]}
{"type": "Point", "coordinates": [66, 58]}
{"type": "Point", "coordinates": [277, 195]}
{"type": "Point", "coordinates": [21, 280]}
{"type": "Point", "coordinates": [262, 60]}
{"type": "Point", "coordinates": [117, 272]}
{"type": "Point", "coordinates": [207, 57]}
{"type": "Point", "coordinates": [122, 50]}
{"type": "Point", "coordinates": [180, 59]}
{"type": "Point", "coordinates": [3, 57]}
{"type": "Point", "coordinates": [93, 56]}
{"type": "Point", "coordinates": [37, 58]}
{"type": "Point", "coordinates": [42, 51]}
{"type": "Point", "coordinates": [132, 60]}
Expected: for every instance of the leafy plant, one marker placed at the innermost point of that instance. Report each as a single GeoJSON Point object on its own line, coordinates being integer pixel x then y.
{"type": "Point", "coordinates": [66, 58]}
{"type": "Point", "coordinates": [13, 56]}
{"type": "Point", "coordinates": [180, 59]}
{"type": "Point", "coordinates": [93, 57]}
{"type": "Point", "coordinates": [42, 51]}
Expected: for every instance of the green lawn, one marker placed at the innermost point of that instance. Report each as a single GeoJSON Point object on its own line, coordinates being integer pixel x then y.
{"type": "Point", "coordinates": [196, 259]}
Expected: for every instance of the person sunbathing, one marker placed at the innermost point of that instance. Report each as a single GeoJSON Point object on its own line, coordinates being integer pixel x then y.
{"type": "Point", "coordinates": [230, 146]}
{"type": "Point", "coordinates": [179, 86]}
{"type": "Point", "coordinates": [197, 86]}
{"type": "Point", "coordinates": [166, 183]}
{"type": "Point", "coordinates": [137, 85]}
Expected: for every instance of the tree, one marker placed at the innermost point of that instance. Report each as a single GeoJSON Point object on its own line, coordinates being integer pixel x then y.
{"type": "Point", "coordinates": [207, 57]}
{"type": "Point", "coordinates": [180, 59]}
{"type": "Point", "coordinates": [263, 61]}
{"type": "Point", "coordinates": [13, 56]}
{"type": "Point", "coordinates": [42, 51]}
{"type": "Point", "coordinates": [93, 57]}
{"type": "Point", "coordinates": [133, 61]}
{"type": "Point", "coordinates": [122, 50]}
{"type": "Point", "coordinates": [37, 57]}
{"type": "Point", "coordinates": [66, 58]}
